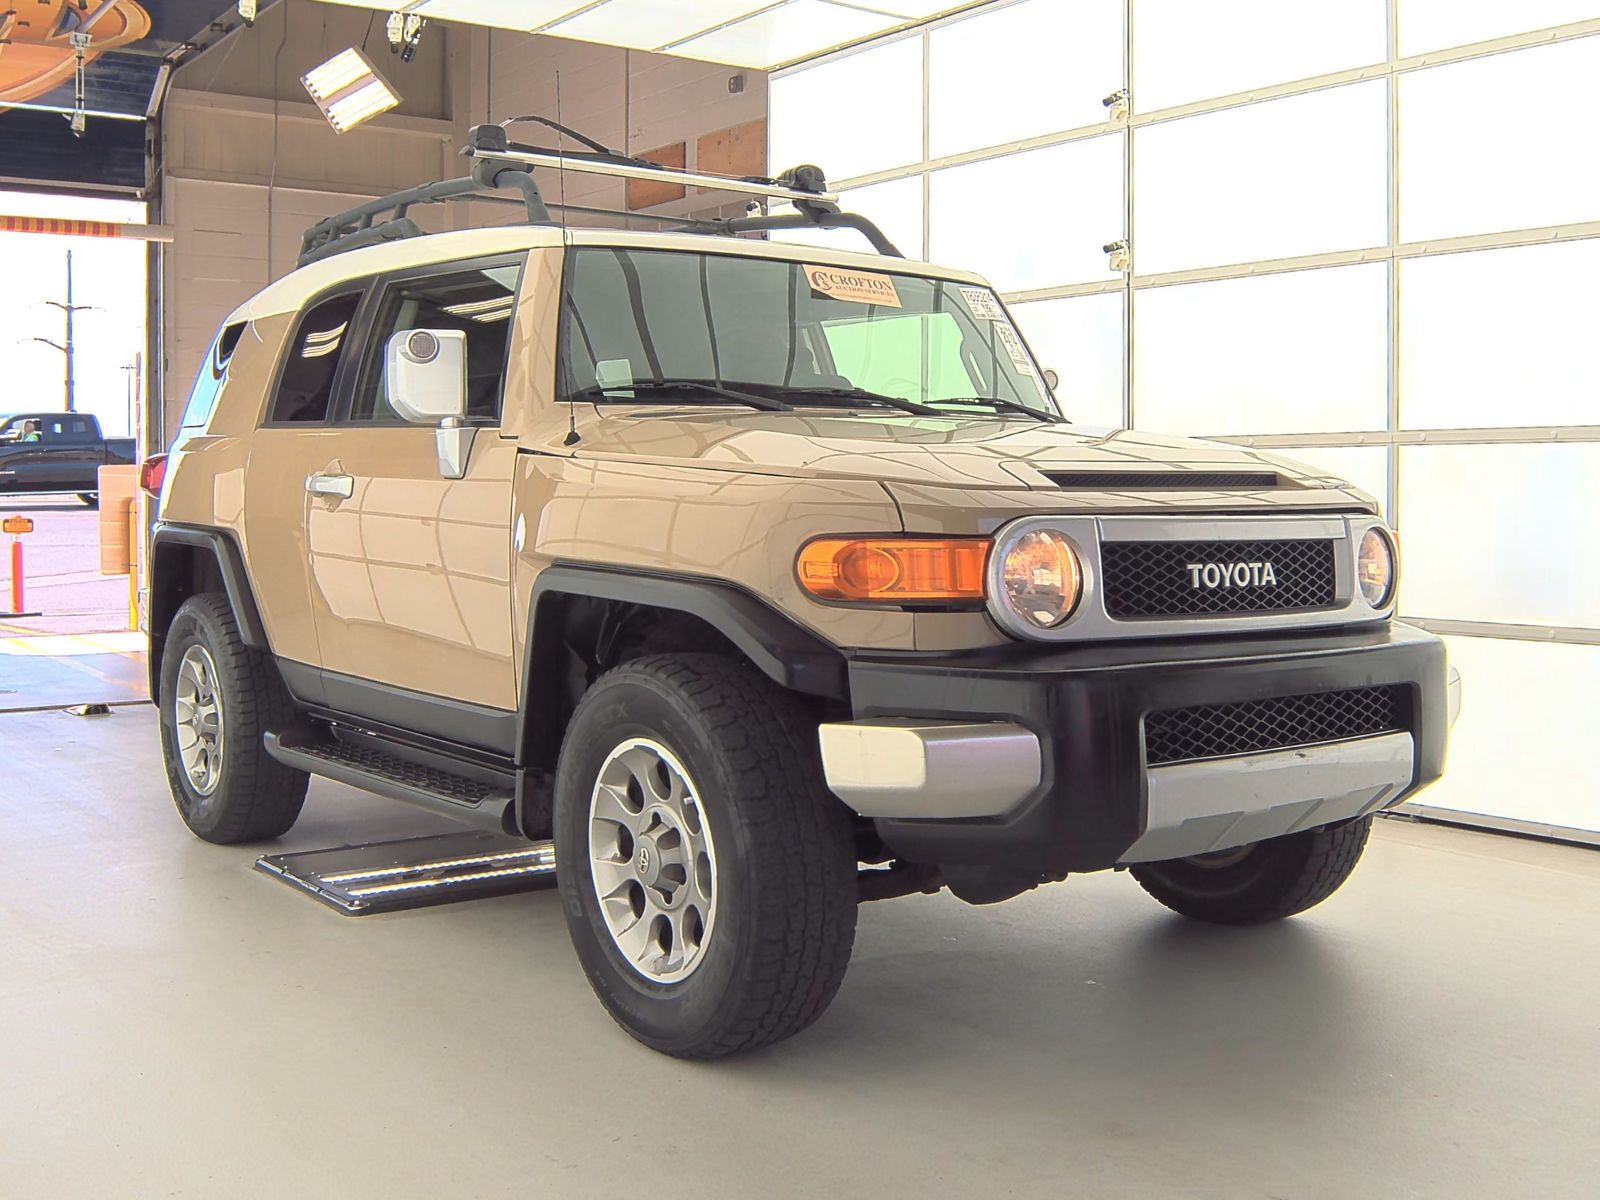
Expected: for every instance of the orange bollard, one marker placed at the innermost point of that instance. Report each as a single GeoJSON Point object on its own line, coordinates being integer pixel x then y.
{"type": "Point", "coordinates": [16, 527]}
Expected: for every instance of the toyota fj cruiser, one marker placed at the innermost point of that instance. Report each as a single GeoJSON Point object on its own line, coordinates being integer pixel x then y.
{"type": "Point", "coordinates": [764, 579]}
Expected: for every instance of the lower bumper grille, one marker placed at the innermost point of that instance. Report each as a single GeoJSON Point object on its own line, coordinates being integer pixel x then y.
{"type": "Point", "coordinates": [1220, 730]}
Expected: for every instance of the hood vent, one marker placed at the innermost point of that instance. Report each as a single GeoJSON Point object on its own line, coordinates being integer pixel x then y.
{"type": "Point", "coordinates": [1143, 481]}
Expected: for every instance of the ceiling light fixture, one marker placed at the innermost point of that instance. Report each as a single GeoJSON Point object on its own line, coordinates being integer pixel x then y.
{"type": "Point", "coordinates": [247, 11]}
{"type": "Point", "coordinates": [349, 90]}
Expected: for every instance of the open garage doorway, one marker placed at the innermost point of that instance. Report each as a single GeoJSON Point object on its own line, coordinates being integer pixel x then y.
{"type": "Point", "coordinates": [73, 342]}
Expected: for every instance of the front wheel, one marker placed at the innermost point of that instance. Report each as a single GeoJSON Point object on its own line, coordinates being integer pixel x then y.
{"type": "Point", "coordinates": [218, 696]}
{"type": "Point", "coordinates": [1265, 881]}
{"type": "Point", "coordinates": [708, 877]}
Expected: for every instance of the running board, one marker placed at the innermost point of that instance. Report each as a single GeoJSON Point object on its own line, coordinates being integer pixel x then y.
{"type": "Point", "coordinates": [479, 804]}
{"type": "Point", "coordinates": [416, 872]}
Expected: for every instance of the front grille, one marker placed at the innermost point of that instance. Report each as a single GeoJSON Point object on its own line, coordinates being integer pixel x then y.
{"type": "Point", "coordinates": [1218, 730]}
{"type": "Point", "coordinates": [1142, 481]}
{"type": "Point", "coordinates": [1153, 579]}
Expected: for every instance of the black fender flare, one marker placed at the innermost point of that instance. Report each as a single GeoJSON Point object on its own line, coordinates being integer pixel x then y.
{"type": "Point", "coordinates": [775, 643]}
{"type": "Point", "coordinates": [164, 602]}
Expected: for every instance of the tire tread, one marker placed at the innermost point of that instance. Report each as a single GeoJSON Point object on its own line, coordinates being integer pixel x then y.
{"type": "Point", "coordinates": [263, 797]}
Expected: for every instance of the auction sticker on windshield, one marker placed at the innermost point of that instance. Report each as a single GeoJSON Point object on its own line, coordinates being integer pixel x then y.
{"type": "Point", "coordinates": [982, 304]}
{"type": "Point", "coordinates": [863, 287]}
{"type": "Point", "coordinates": [1012, 345]}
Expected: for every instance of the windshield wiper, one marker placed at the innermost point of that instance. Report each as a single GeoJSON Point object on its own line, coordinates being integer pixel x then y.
{"type": "Point", "coordinates": [861, 396]}
{"type": "Point", "coordinates": [656, 387]}
{"type": "Point", "coordinates": [1006, 405]}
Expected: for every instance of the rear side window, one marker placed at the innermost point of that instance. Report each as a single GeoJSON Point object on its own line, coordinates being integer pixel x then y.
{"type": "Point", "coordinates": [65, 429]}
{"type": "Point", "coordinates": [208, 381]}
{"type": "Point", "coordinates": [478, 303]}
{"type": "Point", "coordinates": [305, 387]}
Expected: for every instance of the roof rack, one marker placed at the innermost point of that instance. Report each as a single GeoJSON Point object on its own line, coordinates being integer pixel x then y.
{"type": "Point", "coordinates": [502, 172]}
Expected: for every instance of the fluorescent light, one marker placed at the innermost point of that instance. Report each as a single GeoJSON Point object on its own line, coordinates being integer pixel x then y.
{"type": "Point", "coordinates": [649, 24]}
{"type": "Point", "coordinates": [349, 90]}
{"type": "Point", "coordinates": [320, 345]}
{"type": "Point", "coordinates": [483, 311]}
{"type": "Point", "coordinates": [797, 30]}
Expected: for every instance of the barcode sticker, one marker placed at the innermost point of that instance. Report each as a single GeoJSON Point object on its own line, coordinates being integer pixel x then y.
{"type": "Point", "coordinates": [981, 303]}
{"type": "Point", "coordinates": [1015, 350]}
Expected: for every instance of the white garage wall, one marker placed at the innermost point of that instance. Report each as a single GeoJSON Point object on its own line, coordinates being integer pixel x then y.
{"type": "Point", "coordinates": [1379, 264]}
{"type": "Point", "coordinates": [240, 141]}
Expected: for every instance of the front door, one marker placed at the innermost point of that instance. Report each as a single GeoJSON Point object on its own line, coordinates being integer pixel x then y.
{"type": "Point", "coordinates": [410, 572]}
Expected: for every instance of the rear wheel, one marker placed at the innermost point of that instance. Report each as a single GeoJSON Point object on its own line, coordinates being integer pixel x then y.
{"type": "Point", "coordinates": [218, 696]}
{"type": "Point", "coordinates": [708, 877]}
{"type": "Point", "coordinates": [1261, 882]}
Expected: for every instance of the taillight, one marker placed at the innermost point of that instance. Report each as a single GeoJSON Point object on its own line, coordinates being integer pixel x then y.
{"type": "Point", "coordinates": [151, 473]}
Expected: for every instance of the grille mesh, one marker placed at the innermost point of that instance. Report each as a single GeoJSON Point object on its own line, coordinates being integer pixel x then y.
{"type": "Point", "coordinates": [1219, 730]}
{"type": "Point", "coordinates": [1152, 579]}
{"type": "Point", "coordinates": [1166, 480]}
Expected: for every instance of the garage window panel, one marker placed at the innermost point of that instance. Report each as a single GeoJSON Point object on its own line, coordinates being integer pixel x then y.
{"type": "Point", "coordinates": [1436, 24]}
{"type": "Point", "coordinates": [1302, 175]}
{"type": "Point", "coordinates": [1031, 220]}
{"type": "Point", "coordinates": [1499, 143]}
{"type": "Point", "coordinates": [1184, 51]}
{"type": "Point", "coordinates": [1081, 339]}
{"type": "Point", "coordinates": [1522, 695]}
{"type": "Point", "coordinates": [894, 207]}
{"type": "Point", "coordinates": [1020, 71]}
{"type": "Point", "coordinates": [851, 116]}
{"type": "Point", "coordinates": [1367, 467]}
{"type": "Point", "coordinates": [1299, 352]}
{"type": "Point", "coordinates": [1501, 337]}
{"type": "Point", "coordinates": [1500, 533]}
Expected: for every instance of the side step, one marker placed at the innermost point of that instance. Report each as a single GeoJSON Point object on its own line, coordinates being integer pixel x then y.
{"type": "Point", "coordinates": [479, 804]}
{"type": "Point", "coordinates": [415, 872]}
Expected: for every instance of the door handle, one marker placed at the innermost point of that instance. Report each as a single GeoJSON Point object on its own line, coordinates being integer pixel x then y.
{"type": "Point", "coordinates": [340, 487]}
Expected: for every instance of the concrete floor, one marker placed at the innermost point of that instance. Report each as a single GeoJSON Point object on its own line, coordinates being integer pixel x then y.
{"type": "Point", "coordinates": [174, 1024]}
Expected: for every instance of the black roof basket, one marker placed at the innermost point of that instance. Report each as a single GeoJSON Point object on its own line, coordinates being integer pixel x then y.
{"type": "Point", "coordinates": [502, 172]}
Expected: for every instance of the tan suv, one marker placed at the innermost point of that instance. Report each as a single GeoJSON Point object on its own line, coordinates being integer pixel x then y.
{"type": "Point", "coordinates": [764, 579]}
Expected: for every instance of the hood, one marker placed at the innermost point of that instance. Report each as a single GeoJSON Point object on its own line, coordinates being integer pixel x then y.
{"type": "Point", "coordinates": [1013, 454]}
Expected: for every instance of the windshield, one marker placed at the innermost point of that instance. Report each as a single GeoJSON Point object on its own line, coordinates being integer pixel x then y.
{"type": "Point", "coordinates": [633, 318]}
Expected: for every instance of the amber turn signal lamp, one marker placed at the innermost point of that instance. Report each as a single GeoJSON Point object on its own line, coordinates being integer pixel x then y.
{"type": "Point", "coordinates": [895, 570]}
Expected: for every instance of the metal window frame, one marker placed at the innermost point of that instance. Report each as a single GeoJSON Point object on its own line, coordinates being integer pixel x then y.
{"type": "Point", "coordinates": [1129, 284]}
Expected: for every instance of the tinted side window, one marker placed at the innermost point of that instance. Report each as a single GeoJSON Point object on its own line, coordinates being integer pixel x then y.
{"type": "Point", "coordinates": [306, 385]}
{"type": "Point", "coordinates": [478, 303]}
{"type": "Point", "coordinates": [66, 429]}
{"type": "Point", "coordinates": [208, 381]}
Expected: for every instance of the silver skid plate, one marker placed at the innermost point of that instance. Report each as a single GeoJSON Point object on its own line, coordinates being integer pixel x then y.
{"type": "Point", "coordinates": [415, 872]}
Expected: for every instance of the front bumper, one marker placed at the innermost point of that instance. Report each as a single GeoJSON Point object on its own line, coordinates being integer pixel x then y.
{"type": "Point", "coordinates": [1034, 761]}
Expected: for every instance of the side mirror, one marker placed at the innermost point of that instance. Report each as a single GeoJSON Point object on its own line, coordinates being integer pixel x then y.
{"type": "Point", "coordinates": [1052, 380]}
{"type": "Point", "coordinates": [425, 373]}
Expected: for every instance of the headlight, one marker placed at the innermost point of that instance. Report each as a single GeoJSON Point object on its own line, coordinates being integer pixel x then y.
{"type": "Point", "coordinates": [1375, 567]}
{"type": "Point", "coordinates": [1040, 578]}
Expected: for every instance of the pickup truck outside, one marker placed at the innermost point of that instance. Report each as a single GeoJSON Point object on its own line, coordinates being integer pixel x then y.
{"type": "Point", "coordinates": [57, 452]}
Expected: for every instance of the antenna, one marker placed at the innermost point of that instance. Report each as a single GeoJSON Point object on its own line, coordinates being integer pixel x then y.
{"type": "Point", "coordinates": [572, 438]}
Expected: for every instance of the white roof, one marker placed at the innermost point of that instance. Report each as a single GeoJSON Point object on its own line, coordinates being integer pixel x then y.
{"type": "Point", "coordinates": [291, 293]}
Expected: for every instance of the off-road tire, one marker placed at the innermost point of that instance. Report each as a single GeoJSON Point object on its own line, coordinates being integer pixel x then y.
{"type": "Point", "coordinates": [1276, 879]}
{"type": "Point", "coordinates": [785, 920]}
{"type": "Point", "coordinates": [256, 798]}
{"type": "Point", "coordinates": [90, 499]}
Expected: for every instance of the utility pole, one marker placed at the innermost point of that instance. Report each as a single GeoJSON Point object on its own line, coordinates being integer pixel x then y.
{"type": "Point", "coordinates": [67, 310]}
